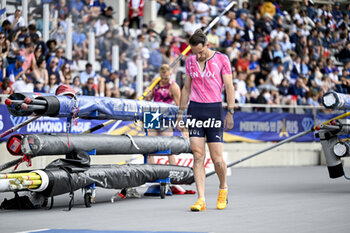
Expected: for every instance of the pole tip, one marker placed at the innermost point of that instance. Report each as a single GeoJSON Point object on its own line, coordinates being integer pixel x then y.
{"type": "Point", "coordinates": [24, 106]}
{"type": "Point", "coordinates": [8, 102]}
{"type": "Point", "coordinates": [27, 100]}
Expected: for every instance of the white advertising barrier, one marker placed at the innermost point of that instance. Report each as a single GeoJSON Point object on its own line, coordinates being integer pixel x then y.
{"type": "Point", "coordinates": [185, 159]}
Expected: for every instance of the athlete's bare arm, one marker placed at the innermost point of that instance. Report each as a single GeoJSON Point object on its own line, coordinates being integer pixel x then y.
{"type": "Point", "coordinates": [185, 93]}
{"type": "Point", "coordinates": [175, 93]}
{"type": "Point", "coordinates": [230, 98]}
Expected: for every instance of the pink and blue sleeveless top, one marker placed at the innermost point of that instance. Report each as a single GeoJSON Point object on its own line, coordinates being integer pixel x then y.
{"type": "Point", "coordinates": [162, 94]}
{"type": "Point", "coordinates": [206, 86]}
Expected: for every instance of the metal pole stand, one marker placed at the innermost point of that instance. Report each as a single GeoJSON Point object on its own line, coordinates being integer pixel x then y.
{"type": "Point", "coordinates": [161, 189]}
{"type": "Point", "coordinates": [89, 191]}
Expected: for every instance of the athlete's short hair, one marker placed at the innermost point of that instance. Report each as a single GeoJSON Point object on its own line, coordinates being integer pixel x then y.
{"type": "Point", "coordinates": [198, 37]}
{"type": "Point", "coordinates": [164, 68]}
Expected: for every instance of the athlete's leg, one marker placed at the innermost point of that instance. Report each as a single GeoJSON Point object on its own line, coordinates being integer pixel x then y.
{"type": "Point", "coordinates": [198, 150]}
{"type": "Point", "coordinates": [215, 149]}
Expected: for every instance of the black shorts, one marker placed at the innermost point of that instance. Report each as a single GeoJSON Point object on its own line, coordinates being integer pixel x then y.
{"type": "Point", "coordinates": [206, 120]}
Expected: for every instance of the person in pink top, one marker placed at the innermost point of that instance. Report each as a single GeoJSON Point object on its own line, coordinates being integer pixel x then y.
{"type": "Point", "coordinates": [167, 91]}
{"type": "Point", "coordinates": [207, 71]}
{"type": "Point", "coordinates": [30, 63]}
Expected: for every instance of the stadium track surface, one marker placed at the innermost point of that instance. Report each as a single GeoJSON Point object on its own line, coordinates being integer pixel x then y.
{"type": "Point", "coordinates": [282, 199]}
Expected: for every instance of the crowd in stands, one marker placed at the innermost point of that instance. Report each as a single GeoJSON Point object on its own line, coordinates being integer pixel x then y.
{"type": "Point", "coordinates": [280, 53]}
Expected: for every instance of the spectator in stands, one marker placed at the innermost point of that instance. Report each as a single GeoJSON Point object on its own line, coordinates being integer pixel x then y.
{"type": "Point", "coordinates": [241, 89]}
{"type": "Point", "coordinates": [190, 25]}
{"type": "Point", "coordinates": [62, 9]}
{"type": "Point", "coordinates": [23, 84]}
{"type": "Point", "coordinates": [30, 63]}
{"type": "Point", "coordinates": [106, 66]}
{"type": "Point", "coordinates": [4, 45]}
{"type": "Point", "coordinates": [39, 86]}
{"type": "Point", "coordinates": [76, 85]}
{"type": "Point", "coordinates": [6, 27]}
{"type": "Point", "coordinates": [136, 46]}
{"type": "Point", "coordinates": [213, 39]}
{"type": "Point", "coordinates": [112, 85]}
{"type": "Point", "coordinates": [51, 46]}
{"type": "Point", "coordinates": [316, 82]}
{"type": "Point", "coordinates": [299, 91]}
{"type": "Point", "coordinates": [152, 40]}
{"type": "Point", "coordinates": [254, 66]}
{"type": "Point", "coordinates": [40, 73]}
{"type": "Point", "coordinates": [77, 8]}
{"type": "Point", "coordinates": [52, 68]}
{"type": "Point", "coordinates": [65, 72]}
{"type": "Point", "coordinates": [136, 13]}
{"type": "Point", "coordinates": [228, 41]}
{"type": "Point", "coordinates": [100, 6]}
{"type": "Point", "coordinates": [203, 21]}
{"type": "Point", "coordinates": [20, 36]}
{"type": "Point", "coordinates": [16, 20]}
{"type": "Point", "coordinates": [52, 85]}
{"type": "Point", "coordinates": [304, 68]}
{"type": "Point", "coordinates": [88, 73]}
{"type": "Point", "coordinates": [264, 98]}
{"type": "Point", "coordinates": [101, 28]}
{"type": "Point", "coordinates": [89, 89]}
{"type": "Point", "coordinates": [344, 54]}
{"type": "Point", "coordinates": [123, 64]}
{"type": "Point", "coordinates": [132, 68]}
{"type": "Point", "coordinates": [285, 44]}
{"type": "Point", "coordinates": [60, 36]}
{"type": "Point", "coordinates": [266, 60]}
{"type": "Point", "coordinates": [5, 87]}
{"type": "Point", "coordinates": [173, 11]}
{"type": "Point", "coordinates": [156, 58]}
{"type": "Point", "coordinates": [276, 76]}
{"type": "Point", "coordinates": [241, 21]}
{"type": "Point", "coordinates": [2, 69]}
{"type": "Point", "coordinates": [80, 42]}
{"type": "Point", "coordinates": [68, 79]}
{"type": "Point", "coordinates": [15, 70]}
{"type": "Point", "coordinates": [249, 34]}
{"type": "Point", "coordinates": [125, 88]}
{"type": "Point", "coordinates": [242, 64]}
{"type": "Point", "coordinates": [284, 92]}
{"type": "Point", "coordinates": [252, 90]}
{"type": "Point", "coordinates": [313, 101]}
{"type": "Point", "coordinates": [201, 8]}
{"type": "Point", "coordinates": [306, 39]}
{"type": "Point", "coordinates": [166, 32]}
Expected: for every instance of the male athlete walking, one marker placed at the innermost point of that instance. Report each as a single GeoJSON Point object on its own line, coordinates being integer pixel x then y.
{"type": "Point", "coordinates": [206, 73]}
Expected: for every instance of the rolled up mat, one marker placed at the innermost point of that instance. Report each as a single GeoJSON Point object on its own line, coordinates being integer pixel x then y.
{"type": "Point", "coordinates": [57, 144]}
{"type": "Point", "coordinates": [56, 181]}
{"type": "Point", "coordinates": [90, 107]}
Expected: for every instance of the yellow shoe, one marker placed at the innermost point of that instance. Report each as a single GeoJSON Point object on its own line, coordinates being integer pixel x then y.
{"type": "Point", "coordinates": [222, 199]}
{"type": "Point", "coordinates": [199, 205]}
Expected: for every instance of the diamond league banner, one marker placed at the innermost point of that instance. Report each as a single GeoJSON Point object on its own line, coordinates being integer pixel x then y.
{"type": "Point", "coordinates": [49, 124]}
{"type": "Point", "coordinates": [251, 127]}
